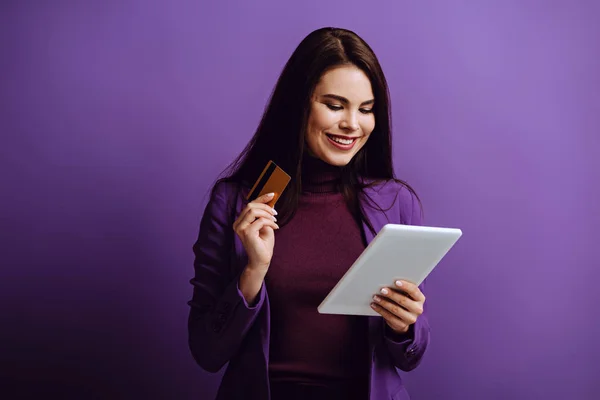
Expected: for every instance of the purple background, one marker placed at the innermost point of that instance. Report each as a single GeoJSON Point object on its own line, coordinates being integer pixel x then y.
{"type": "Point", "coordinates": [117, 116]}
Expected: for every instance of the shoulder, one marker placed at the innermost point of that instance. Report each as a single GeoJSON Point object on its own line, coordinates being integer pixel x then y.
{"type": "Point", "coordinates": [224, 190]}
{"type": "Point", "coordinates": [397, 198]}
{"type": "Point", "coordinates": [224, 198]}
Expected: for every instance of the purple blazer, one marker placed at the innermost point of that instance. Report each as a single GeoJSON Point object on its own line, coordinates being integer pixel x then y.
{"type": "Point", "coordinates": [223, 328]}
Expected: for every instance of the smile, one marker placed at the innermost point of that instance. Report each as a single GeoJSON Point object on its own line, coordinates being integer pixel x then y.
{"type": "Point", "coordinates": [341, 142]}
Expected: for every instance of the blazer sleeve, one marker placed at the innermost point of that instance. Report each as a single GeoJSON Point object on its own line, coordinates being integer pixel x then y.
{"type": "Point", "coordinates": [407, 350]}
{"type": "Point", "coordinates": [219, 316]}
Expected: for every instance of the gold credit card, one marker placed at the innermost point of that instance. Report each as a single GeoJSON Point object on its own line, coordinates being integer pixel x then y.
{"type": "Point", "coordinates": [272, 180]}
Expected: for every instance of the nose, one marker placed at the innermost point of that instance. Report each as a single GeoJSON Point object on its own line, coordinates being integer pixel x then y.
{"type": "Point", "coordinates": [349, 122]}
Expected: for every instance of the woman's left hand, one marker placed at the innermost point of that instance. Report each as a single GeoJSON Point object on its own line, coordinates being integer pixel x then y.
{"type": "Point", "coordinates": [399, 305]}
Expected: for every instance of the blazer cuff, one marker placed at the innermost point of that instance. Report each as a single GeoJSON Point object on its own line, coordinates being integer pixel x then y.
{"type": "Point", "coordinates": [233, 313]}
{"type": "Point", "coordinates": [258, 302]}
{"type": "Point", "coordinates": [399, 339]}
{"type": "Point", "coordinates": [407, 349]}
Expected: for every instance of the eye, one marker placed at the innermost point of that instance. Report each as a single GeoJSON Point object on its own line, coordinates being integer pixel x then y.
{"type": "Point", "coordinates": [366, 110]}
{"type": "Point", "coordinates": [333, 107]}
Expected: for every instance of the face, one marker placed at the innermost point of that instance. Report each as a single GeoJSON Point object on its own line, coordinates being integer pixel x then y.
{"type": "Point", "coordinates": [341, 115]}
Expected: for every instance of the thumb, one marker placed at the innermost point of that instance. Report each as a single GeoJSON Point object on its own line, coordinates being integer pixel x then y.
{"type": "Point", "coordinates": [265, 198]}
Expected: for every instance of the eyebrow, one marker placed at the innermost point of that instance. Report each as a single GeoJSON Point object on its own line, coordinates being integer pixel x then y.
{"type": "Point", "coordinates": [345, 100]}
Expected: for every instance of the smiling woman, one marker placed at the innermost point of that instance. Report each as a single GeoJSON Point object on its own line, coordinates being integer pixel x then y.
{"type": "Point", "coordinates": [260, 274]}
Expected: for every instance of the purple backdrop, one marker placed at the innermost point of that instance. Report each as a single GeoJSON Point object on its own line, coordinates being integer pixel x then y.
{"type": "Point", "coordinates": [117, 116]}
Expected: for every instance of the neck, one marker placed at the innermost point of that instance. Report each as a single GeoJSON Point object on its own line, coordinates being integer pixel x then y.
{"type": "Point", "coordinates": [319, 176]}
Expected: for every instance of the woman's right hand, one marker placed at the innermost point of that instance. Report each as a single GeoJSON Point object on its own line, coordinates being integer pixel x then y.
{"type": "Point", "coordinates": [256, 227]}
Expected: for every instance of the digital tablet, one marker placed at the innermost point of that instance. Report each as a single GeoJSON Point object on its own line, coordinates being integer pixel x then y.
{"type": "Point", "coordinates": [406, 252]}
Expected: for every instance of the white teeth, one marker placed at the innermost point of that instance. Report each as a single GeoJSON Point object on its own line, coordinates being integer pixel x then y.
{"type": "Point", "coordinates": [342, 141]}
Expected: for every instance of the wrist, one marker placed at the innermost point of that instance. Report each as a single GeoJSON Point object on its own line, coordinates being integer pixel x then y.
{"type": "Point", "coordinates": [250, 283]}
{"type": "Point", "coordinates": [254, 273]}
{"type": "Point", "coordinates": [397, 335]}
{"type": "Point", "coordinates": [257, 269]}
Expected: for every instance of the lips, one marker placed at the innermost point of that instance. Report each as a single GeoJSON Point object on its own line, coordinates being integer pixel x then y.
{"type": "Point", "coordinates": [341, 142]}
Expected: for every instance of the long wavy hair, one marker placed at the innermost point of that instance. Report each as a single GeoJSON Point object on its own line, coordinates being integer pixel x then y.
{"type": "Point", "coordinates": [280, 135]}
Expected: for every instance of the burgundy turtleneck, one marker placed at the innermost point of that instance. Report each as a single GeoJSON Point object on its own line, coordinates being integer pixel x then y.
{"type": "Point", "coordinates": [312, 252]}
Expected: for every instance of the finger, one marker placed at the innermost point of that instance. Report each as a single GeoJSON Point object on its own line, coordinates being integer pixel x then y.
{"type": "Point", "coordinates": [411, 289]}
{"type": "Point", "coordinates": [240, 218]}
{"type": "Point", "coordinates": [402, 299]}
{"type": "Point", "coordinates": [256, 213]}
{"type": "Point", "coordinates": [261, 206]}
{"type": "Point", "coordinates": [259, 224]}
{"type": "Point", "coordinates": [393, 321]}
{"type": "Point", "coordinates": [251, 214]}
{"type": "Point", "coordinates": [249, 208]}
{"type": "Point", "coordinates": [265, 198]}
{"type": "Point", "coordinates": [395, 309]}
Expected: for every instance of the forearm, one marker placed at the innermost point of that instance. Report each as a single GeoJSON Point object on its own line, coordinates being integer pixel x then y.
{"type": "Point", "coordinates": [218, 324]}
{"type": "Point", "coordinates": [220, 315]}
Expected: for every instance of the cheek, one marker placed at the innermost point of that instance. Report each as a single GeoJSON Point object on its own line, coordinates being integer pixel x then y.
{"type": "Point", "coordinates": [322, 119]}
{"type": "Point", "coordinates": [314, 128]}
{"type": "Point", "coordinates": [368, 125]}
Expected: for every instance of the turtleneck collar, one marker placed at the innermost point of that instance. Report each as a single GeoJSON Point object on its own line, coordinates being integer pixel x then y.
{"type": "Point", "coordinates": [319, 176]}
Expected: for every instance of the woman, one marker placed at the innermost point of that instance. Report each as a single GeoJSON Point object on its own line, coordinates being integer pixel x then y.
{"type": "Point", "coordinates": [260, 274]}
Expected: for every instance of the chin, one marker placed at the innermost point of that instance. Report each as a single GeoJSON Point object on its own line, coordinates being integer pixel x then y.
{"type": "Point", "coordinates": [336, 160]}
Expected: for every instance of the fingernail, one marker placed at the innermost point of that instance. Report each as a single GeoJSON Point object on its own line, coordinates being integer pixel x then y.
{"type": "Point", "coordinates": [384, 291]}
{"type": "Point", "coordinates": [274, 219]}
{"type": "Point", "coordinates": [373, 306]}
{"type": "Point", "coordinates": [398, 283]}
{"type": "Point", "coordinates": [274, 212]}
{"type": "Point", "coordinates": [270, 194]}
{"type": "Point", "coordinates": [376, 298]}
